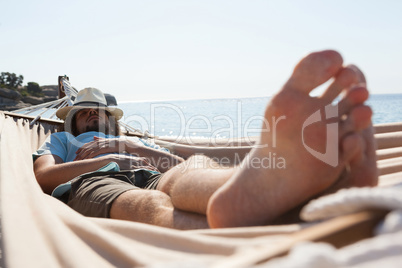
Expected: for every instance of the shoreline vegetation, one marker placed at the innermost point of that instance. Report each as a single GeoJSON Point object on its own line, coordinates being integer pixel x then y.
{"type": "Point", "coordinates": [14, 95]}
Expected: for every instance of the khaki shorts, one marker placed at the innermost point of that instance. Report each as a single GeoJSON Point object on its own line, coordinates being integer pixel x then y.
{"type": "Point", "coordinates": [93, 194]}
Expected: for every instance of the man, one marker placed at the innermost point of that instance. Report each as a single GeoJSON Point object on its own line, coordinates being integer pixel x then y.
{"type": "Point", "coordinates": [197, 192]}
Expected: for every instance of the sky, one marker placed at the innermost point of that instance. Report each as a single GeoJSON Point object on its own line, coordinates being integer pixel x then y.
{"type": "Point", "coordinates": [187, 49]}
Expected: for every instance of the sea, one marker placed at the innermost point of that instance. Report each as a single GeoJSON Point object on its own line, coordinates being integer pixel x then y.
{"type": "Point", "coordinates": [226, 118]}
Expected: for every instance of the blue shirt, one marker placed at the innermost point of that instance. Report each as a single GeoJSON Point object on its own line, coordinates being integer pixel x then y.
{"type": "Point", "coordinates": [65, 145]}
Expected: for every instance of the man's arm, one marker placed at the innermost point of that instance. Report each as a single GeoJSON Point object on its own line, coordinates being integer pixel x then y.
{"type": "Point", "coordinates": [51, 171]}
{"type": "Point", "coordinates": [225, 155]}
{"type": "Point", "coordinates": [160, 159]}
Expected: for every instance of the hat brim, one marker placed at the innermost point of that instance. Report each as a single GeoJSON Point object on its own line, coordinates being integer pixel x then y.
{"type": "Point", "coordinates": [63, 112]}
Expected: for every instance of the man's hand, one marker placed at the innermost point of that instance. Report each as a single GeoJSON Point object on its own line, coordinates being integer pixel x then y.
{"type": "Point", "coordinates": [113, 145]}
{"type": "Point", "coordinates": [101, 146]}
{"type": "Point", "coordinates": [162, 160]}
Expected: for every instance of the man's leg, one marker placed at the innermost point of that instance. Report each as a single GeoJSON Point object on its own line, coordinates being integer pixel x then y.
{"type": "Point", "coordinates": [154, 207]}
{"type": "Point", "coordinates": [191, 183]}
{"type": "Point", "coordinates": [256, 194]}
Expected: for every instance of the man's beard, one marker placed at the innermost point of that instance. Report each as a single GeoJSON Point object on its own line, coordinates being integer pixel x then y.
{"type": "Point", "coordinates": [104, 128]}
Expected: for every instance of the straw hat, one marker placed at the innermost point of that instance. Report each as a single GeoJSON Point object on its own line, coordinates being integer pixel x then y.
{"type": "Point", "coordinates": [89, 98]}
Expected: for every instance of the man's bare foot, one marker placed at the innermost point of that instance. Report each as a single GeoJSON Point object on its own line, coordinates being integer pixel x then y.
{"type": "Point", "coordinates": [363, 166]}
{"type": "Point", "coordinates": [298, 137]}
{"type": "Point", "coordinates": [359, 142]}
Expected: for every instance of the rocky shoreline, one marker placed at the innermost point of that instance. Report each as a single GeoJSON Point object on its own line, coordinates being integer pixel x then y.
{"type": "Point", "coordinates": [11, 100]}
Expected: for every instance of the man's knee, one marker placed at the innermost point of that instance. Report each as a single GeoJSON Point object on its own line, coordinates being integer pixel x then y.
{"type": "Point", "coordinates": [193, 163]}
{"type": "Point", "coordinates": [139, 205]}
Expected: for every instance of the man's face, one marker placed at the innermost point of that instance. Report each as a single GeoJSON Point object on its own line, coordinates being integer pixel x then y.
{"type": "Point", "coordinates": [92, 120]}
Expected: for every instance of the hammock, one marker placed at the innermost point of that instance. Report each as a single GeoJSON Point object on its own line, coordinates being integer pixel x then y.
{"type": "Point", "coordinates": [40, 231]}
{"type": "Point", "coordinates": [37, 230]}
